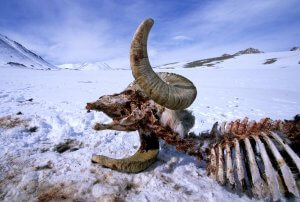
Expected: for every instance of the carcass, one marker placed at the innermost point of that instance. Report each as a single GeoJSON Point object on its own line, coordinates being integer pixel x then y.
{"type": "Point", "coordinates": [259, 158]}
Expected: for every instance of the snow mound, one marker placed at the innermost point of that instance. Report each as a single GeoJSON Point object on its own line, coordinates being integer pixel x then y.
{"type": "Point", "coordinates": [13, 54]}
{"type": "Point", "coordinates": [87, 66]}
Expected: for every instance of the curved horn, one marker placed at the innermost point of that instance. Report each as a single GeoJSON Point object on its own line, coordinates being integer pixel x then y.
{"type": "Point", "coordinates": [141, 160]}
{"type": "Point", "coordinates": [178, 93]}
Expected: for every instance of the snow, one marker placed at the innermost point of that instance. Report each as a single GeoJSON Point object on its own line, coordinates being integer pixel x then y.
{"type": "Point", "coordinates": [172, 65]}
{"type": "Point", "coordinates": [13, 54]}
{"type": "Point", "coordinates": [87, 66]}
{"type": "Point", "coordinates": [32, 169]}
{"type": "Point", "coordinates": [283, 60]}
{"type": "Point", "coordinates": [246, 61]}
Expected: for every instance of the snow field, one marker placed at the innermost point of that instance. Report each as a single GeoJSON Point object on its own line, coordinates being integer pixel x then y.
{"type": "Point", "coordinates": [33, 169]}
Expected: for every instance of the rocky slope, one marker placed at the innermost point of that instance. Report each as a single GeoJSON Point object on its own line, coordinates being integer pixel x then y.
{"type": "Point", "coordinates": [13, 54]}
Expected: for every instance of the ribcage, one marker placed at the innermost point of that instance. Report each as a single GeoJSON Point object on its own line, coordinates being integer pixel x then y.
{"type": "Point", "coordinates": [256, 158]}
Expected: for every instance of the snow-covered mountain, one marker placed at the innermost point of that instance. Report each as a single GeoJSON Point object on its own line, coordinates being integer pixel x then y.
{"type": "Point", "coordinates": [250, 55]}
{"type": "Point", "coordinates": [248, 51]}
{"type": "Point", "coordinates": [295, 48]}
{"type": "Point", "coordinates": [13, 54]}
{"type": "Point", "coordinates": [86, 66]}
{"type": "Point", "coordinates": [247, 58]}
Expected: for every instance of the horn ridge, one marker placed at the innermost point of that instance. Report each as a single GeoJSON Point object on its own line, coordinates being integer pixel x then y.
{"type": "Point", "coordinates": [172, 91]}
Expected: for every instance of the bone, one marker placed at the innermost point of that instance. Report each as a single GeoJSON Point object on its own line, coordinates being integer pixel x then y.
{"type": "Point", "coordinates": [144, 157]}
{"type": "Point", "coordinates": [282, 186]}
{"type": "Point", "coordinates": [135, 116]}
{"type": "Point", "coordinates": [235, 126]}
{"type": "Point", "coordinates": [245, 121]}
{"type": "Point", "coordinates": [285, 170]}
{"type": "Point", "coordinates": [251, 125]}
{"type": "Point", "coordinates": [242, 126]}
{"type": "Point", "coordinates": [134, 164]}
{"type": "Point", "coordinates": [213, 164]}
{"type": "Point", "coordinates": [269, 170]}
{"type": "Point", "coordinates": [173, 91]}
{"type": "Point", "coordinates": [222, 128]}
{"type": "Point", "coordinates": [114, 126]}
{"type": "Point", "coordinates": [229, 168]}
{"type": "Point", "coordinates": [220, 171]}
{"type": "Point", "coordinates": [239, 165]}
{"type": "Point", "coordinates": [288, 149]}
{"type": "Point", "coordinates": [259, 186]}
{"type": "Point", "coordinates": [215, 132]}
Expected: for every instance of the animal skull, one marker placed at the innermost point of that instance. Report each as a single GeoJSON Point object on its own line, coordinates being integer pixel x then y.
{"type": "Point", "coordinates": [147, 105]}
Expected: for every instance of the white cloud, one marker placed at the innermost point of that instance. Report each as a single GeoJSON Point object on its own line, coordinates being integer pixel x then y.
{"type": "Point", "coordinates": [228, 26]}
{"type": "Point", "coordinates": [181, 38]}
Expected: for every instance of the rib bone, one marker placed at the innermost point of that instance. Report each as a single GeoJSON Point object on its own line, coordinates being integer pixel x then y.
{"type": "Point", "coordinates": [222, 127]}
{"type": "Point", "coordinates": [292, 154]}
{"type": "Point", "coordinates": [285, 170]}
{"type": "Point", "coordinates": [229, 169]}
{"type": "Point", "coordinates": [220, 165]}
{"type": "Point", "coordinates": [213, 164]}
{"type": "Point", "coordinates": [270, 172]}
{"type": "Point", "coordinates": [258, 183]}
{"type": "Point", "coordinates": [239, 165]}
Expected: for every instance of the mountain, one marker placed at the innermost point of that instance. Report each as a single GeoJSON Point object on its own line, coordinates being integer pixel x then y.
{"type": "Point", "coordinates": [247, 58]}
{"type": "Point", "coordinates": [295, 49]}
{"type": "Point", "coordinates": [248, 51]}
{"type": "Point", "coordinates": [86, 66]}
{"type": "Point", "coordinates": [208, 62]}
{"type": "Point", "coordinates": [13, 54]}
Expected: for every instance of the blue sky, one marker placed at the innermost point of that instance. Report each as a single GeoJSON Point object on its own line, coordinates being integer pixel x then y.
{"type": "Point", "coordinates": [66, 31]}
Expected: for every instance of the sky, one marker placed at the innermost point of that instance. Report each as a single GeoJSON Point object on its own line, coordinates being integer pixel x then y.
{"type": "Point", "coordinates": [77, 31]}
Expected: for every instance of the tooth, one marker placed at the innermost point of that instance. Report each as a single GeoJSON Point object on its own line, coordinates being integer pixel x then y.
{"type": "Point", "coordinates": [285, 170]}
{"type": "Point", "coordinates": [229, 169]}
{"type": "Point", "coordinates": [258, 183]}
{"type": "Point", "coordinates": [269, 170]}
{"type": "Point", "coordinates": [239, 165]}
{"type": "Point", "coordinates": [288, 149]}
{"type": "Point", "coordinates": [220, 166]}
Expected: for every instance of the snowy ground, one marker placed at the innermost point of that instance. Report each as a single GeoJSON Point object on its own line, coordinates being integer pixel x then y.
{"type": "Point", "coordinates": [32, 168]}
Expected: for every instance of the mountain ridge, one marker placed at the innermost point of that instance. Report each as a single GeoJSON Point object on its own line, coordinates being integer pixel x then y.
{"type": "Point", "coordinates": [14, 54]}
{"type": "Point", "coordinates": [255, 56]}
{"type": "Point", "coordinates": [86, 66]}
